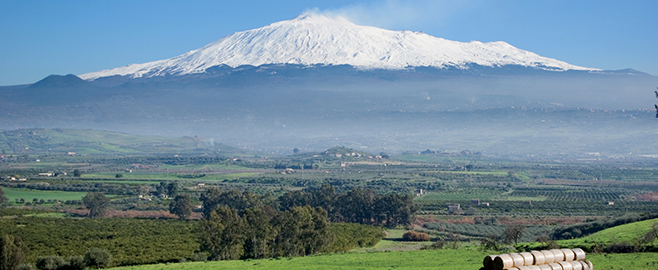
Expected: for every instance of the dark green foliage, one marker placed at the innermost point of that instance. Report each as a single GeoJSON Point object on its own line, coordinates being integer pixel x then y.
{"type": "Point", "coordinates": [97, 203]}
{"type": "Point", "coordinates": [130, 241]}
{"type": "Point", "coordinates": [259, 233]}
{"type": "Point", "coordinates": [348, 236]}
{"type": "Point", "coordinates": [3, 198]}
{"type": "Point", "coordinates": [98, 258]}
{"type": "Point", "coordinates": [224, 236]}
{"type": "Point", "coordinates": [214, 198]}
{"type": "Point", "coordinates": [74, 263]}
{"type": "Point", "coordinates": [181, 206]}
{"type": "Point", "coordinates": [77, 173]}
{"type": "Point", "coordinates": [302, 231]}
{"type": "Point", "coordinates": [415, 236]}
{"type": "Point", "coordinates": [50, 262]}
{"type": "Point", "coordinates": [356, 206]}
{"type": "Point", "coordinates": [12, 252]}
{"type": "Point", "coordinates": [263, 232]}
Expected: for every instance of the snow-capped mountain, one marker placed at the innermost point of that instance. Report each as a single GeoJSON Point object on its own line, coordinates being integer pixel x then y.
{"type": "Point", "coordinates": [312, 39]}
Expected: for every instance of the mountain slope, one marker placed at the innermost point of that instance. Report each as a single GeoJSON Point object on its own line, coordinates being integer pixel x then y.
{"type": "Point", "coordinates": [313, 39]}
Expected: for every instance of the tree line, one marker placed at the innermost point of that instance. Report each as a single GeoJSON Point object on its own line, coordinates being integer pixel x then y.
{"type": "Point", "coordinates": [356, 206]}
{"type": "Point", "coordinates": [242, 225]}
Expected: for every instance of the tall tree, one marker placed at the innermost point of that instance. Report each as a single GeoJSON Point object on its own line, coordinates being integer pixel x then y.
{"type": "Point", "coordinates": [97, 203]}
{"type": "Point", "coordinates": [181, 206]}
{"type": "Point", "coordinates": [259, 233]}
{"type": "Point", "coordinates": [223, 234]}
{"type": "Point", "coordinates": [12, 252]}
{"type": "Point", "coordinates": [173, 188]}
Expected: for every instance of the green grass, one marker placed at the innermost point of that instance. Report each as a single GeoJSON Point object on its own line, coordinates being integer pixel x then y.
{"type": "Point", "coordinates": [29, 194]}
{"type": "Point", "coordinates": [427, 259]}
{"type": "Point", "coordinates": [163, 176]}
{"type": "Point", "coordinates": [442, 259]}
{"type": "Point", "coordinates": [627, 232]}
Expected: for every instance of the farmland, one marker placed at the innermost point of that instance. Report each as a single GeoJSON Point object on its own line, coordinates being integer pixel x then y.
{"type": "Point", "coordinates": [141, 177]}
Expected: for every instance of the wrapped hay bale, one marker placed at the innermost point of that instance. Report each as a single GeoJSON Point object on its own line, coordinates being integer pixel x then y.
{"type": "Point", "coordinates": [568, 254]}
{"type": "Point", "coordinates": [559, 255]}
{"type": "Point", "coordinates": [576, 265]}
{"type": "Point", "coordinates": [527, 258]}
{"type": "Point", "coordinates": [503, 261]}
{"type": "Point", "coordinates": [555, 266]}
{"type": "Point", "coordinates": [518, 259]}
{"type": "Point", "coordinates": [538, 257]}
{"type": "Point", "coordinates": [580, 254]}
{"type": "Point", "coordinates": [530, 267]}
{"type": "Point", "coordinates": [566, 265]}
{"type": "Point", "coordinates": [549, 257]}
{"type": "Point", "coordinates": [488, 261]}
{"type": "Point", "coordinates": [589, 264]}
{"type": "Point", "coordinates": [545, 267]}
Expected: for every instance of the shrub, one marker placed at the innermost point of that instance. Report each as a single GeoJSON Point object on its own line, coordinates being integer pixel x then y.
{"type": "Point", "coordinates": [50, 262]}
{"type": "Point", "coordinates": [436, 245]}
{"type": "Point", "coordinates": [98, 258]}
{"type": "Point", "coordinates": [415, 236]}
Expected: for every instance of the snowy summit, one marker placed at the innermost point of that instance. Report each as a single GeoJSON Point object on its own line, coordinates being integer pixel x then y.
{"type": "Point", "coordinates": [312, 39]}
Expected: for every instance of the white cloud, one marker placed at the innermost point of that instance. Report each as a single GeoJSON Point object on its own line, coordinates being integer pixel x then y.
{"type": "Point", "coordinates": [399, 14]}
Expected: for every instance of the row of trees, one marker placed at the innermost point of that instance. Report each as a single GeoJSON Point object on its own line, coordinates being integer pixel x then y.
{"type": "Point", "coordinates": [229, 234]}
{"type": "Point", "coordinates": [241, 225]}
{"type": "Point", "coordinates": [356, 206]}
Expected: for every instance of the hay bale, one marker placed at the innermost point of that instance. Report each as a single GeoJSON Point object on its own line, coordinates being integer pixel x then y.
{"type": "Point", "coordinates": [545, 267]}
{"type": "Point", "coordinates": [569, 255]}
{"type": "Point", "coordinates": [503, 261]}
{"type": "Point", "coordinates": [518, 259]}
{"type": "Point", "coordinates": [589, 264]}
{"type": "Point", "coordinates": [559, 255]}
{"type": "Point", "coordinates": [538, 257]}
{"type": "Point", "coordinates": [566, 265]}
{"type": "Point", "coordinates": [488, 261]}
{"type": "Point", "coordinates": [527, 258]}
{"type": "Point", "coordinates": [549, 257]}
{"type": "Point", "coordinates": [530, 267]}
{"type": "Point", "coordinates": [555, 266]}
{"type": "Point", "coordinates": [576, 265]}
{"type": "Point", "coordinates": [580, 254]}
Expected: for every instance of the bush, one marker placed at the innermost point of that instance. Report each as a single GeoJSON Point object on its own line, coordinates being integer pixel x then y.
{"type": "Point", "coordinates": [436, 245]}
{"type": "Point", "coordinates": [415, 236]}
{"type": "Point", "coordinates": [50, 262]}
{"type": "Point", "coordinates": [98, 258]}
{"type": "Point", "coordinates": [621, 247]}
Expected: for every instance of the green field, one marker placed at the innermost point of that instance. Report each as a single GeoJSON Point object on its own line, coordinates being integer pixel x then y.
{"type": "Point", "coordinates": [430, 259]}
{"type": "Point", "coordinates": [29, 194]}
{"type": "Point", "coordinates": [164, 176]}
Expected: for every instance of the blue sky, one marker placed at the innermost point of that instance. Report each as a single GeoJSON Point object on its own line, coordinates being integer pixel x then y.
{"type": "Point", "coordinates": [39, 38]}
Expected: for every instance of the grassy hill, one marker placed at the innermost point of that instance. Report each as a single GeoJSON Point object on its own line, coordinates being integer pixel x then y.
{"type": "Point", "coordinates": [623, 233]}
{"type": "Point", "coordinates": [62, 141]}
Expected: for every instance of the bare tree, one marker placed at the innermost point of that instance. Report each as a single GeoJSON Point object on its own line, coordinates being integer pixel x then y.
{"type": "Point", "coordinates": [512, 233]}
